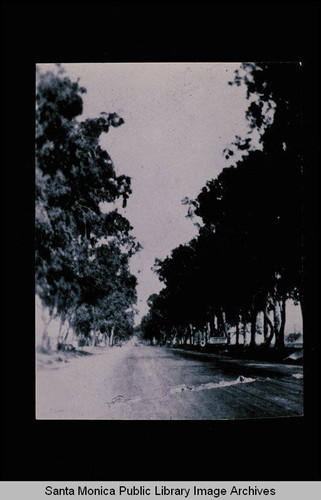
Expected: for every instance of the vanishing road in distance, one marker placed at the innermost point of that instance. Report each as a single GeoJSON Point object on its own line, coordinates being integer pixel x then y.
{"type": "Point", "coordinates": [139, 382]}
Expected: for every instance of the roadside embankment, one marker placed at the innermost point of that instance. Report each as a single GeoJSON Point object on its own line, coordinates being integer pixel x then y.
{"type": "Point", "coordinates": [289, 355]}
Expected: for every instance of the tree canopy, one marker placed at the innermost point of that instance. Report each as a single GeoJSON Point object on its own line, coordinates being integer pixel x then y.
{"type": "Point", "coordinates": [82, 253]}
{"type": "Point", "coordinates": [247, 256]}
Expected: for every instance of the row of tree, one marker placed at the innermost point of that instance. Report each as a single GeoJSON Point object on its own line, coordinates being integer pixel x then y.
{"type": "Point", "coordinates": [247, 257]}
{"type": "Point", "coordinates": [82, 253]}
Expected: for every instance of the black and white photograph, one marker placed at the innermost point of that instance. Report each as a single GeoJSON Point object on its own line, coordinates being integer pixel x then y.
{"type": "Point", "coordinates": [168, 239]}
{"type": "Point", "coordinates": [160, 249]}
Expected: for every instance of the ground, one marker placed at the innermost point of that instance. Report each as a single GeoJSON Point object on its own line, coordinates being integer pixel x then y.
{"type": "Point", "coordinates": [139, 382]}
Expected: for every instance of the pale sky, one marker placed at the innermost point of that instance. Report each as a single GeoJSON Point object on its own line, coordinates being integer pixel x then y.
{"type": "Point", "coordinates": [178, 117]}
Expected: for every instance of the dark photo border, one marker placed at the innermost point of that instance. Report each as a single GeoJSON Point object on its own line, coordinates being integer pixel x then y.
{"type": "Point", "coordinates": [279, 449]}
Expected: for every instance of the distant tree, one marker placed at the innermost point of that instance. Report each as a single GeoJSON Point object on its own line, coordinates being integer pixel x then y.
{"type": "Point", "coordinates": [155, 324]}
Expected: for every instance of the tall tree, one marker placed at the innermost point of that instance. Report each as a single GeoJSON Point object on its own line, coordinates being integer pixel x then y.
{"type": "Point", "coordinates": [247, 257]}
{"type": "Point", "coordinates": [79, 249]}
{"type": "Point", "coordinates": [275, 92]}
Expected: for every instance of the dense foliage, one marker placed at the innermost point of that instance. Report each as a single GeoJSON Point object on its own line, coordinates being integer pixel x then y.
{"type": "Point", "coordinates": [247, 257]}
{"type": "Point", "coordinates": [82, 254]}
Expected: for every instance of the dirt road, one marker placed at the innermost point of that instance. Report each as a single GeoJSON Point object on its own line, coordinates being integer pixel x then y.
{"type": "Point", "coordinates": [156, 383]}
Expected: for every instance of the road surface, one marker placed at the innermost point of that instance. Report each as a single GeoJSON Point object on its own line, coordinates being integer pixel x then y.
{"type": "Point", "coordinates": [157, 383]}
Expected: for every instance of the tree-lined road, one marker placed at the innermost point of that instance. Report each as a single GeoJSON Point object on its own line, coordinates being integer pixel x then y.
{"type": "Point", "coordinates": [138, 382]}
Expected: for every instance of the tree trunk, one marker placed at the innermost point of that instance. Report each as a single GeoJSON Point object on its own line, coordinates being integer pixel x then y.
{"type": "Point", "coordinates": [276, 321]}
{"type": "Point", "coordinates": [302, 311]}
{"type": "Point", "coordinates": [111, 337]}
{"type": "Point", "coordinates": [215, 322]}
{"type": "Point", "coordinates": [280, 329]}
{"type": "Point", "coordinates": [237, 338]}
{"type": "Point", "coordinates": [45, 340]}
{"type": "Point", "coordinates": [66, 334]}
{"type": "Point", "coordinates": [214, 325]}
{"type": "Point", "coordinates": [243, 329]}
{"type": "Point", "coordinates": [224, 326]}
{"type": "Point", "coordinates": [253, 327]}
{"type": "Point", "coordinates": [59, 333]}
{"type": "Point", "coordinates": [208, 331]}
{"type": "Point", "coordinates": [267, 325]}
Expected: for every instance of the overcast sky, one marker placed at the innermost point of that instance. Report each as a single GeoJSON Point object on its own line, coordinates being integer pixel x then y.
{"type": "Point", "coordinates": [178, 117]}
